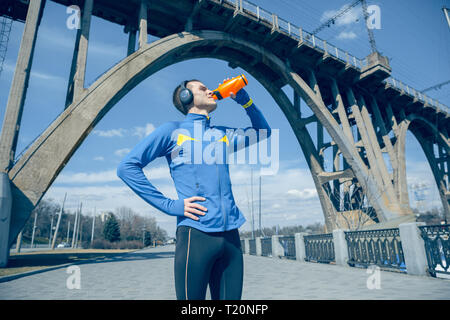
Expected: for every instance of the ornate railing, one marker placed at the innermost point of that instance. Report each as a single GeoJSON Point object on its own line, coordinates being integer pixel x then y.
{"type": "Point", "coordinates": [319, 248]}
{"type": "Point", "coordinates": [252, 245]}
{"type": "Point", "coordinates": [437, 247]}
{"type": "Point", "coordinates": [266, 247]}
{"type": "Point", "coordinates": [381, 247]}
{"type": "Point", "coordinates": [288, 244]}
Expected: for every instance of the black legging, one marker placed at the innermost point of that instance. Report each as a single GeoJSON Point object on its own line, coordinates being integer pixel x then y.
{"type": "Point", "coordinates": [208, 257]}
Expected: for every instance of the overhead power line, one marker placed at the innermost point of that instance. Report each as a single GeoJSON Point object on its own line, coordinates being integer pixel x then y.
{"type": "Point", "coordinates": [436, 87]}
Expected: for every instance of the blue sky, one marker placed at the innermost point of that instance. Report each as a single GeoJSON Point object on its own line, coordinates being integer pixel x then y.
{"type": "Point", "coordinates": [414, 35]}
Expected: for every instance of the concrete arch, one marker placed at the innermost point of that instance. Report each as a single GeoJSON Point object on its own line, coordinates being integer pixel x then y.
{"type": "Point", "coordinates": [35, 171]}
{"type": "Point", "coordinates": [442, 140]}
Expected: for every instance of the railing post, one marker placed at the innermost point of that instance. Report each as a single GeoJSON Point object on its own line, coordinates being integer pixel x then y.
{"type": "Point", "coordinates": [247, 246]}
{"type": "Point", "coordinates": [277, 249]}
{"type": "Point", "coordinates": [258, 246]}
{"type": "Point", "coordinates": [340, 247]}
{"type": "Point", "coordinates": [300, 251]}
{"type": "Point", "coordinates": [413, 248]}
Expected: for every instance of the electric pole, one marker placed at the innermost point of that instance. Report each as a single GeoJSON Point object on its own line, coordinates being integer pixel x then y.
{"type": "Point", "coordinates": [34, 228]}
{"type": "Point", "coordinates": [57, 223]}
{"type": "Point", "coordinates": [93, 224]}
{"type": "Point", "coordinates": [74, 228]}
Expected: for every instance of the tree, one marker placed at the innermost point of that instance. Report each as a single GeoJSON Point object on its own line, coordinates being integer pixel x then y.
{"type": "Point", "coordinates": [111, 230]}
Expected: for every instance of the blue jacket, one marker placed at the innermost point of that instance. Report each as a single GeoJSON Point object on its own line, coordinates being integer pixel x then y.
{"type": "Point", "coordinates": [181, 142]}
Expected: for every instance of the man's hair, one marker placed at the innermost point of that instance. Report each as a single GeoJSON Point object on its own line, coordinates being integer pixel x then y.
{"type": "Point", "coordinates": [184, 109]}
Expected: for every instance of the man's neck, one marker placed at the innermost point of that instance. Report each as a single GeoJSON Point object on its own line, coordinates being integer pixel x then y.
{"type": "Point", "coordinates": [199, 111]}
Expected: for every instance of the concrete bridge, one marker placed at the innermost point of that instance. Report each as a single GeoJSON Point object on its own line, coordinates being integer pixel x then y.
{"type": "Point", "coordinates": [344, 93]}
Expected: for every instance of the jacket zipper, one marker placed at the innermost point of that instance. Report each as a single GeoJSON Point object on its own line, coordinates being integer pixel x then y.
{"type": "Point", "coordinates": [221, 201]}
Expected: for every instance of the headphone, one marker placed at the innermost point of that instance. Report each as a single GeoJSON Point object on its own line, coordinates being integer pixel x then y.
{"type": "Point", "coordinates": [185, 95]}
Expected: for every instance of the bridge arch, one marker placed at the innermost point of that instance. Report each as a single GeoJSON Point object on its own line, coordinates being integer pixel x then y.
{"type": "Point", "coordinates": [428, 134]}
{"type": "Point", "coordinates": [39, 166]}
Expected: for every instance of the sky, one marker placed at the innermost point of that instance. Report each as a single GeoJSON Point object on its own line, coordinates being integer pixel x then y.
{"type": "Point", "coordinates": [413, 34]}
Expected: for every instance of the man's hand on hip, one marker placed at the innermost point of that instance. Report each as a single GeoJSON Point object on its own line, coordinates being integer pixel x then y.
{"type": "Point", "coordinates": [190, 208]}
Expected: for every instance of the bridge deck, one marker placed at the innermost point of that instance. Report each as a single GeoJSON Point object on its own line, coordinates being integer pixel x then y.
{"type": "Point", "coordinates": [148, 274]}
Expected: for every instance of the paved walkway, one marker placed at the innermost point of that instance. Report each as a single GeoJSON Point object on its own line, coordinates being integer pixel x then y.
{"type": "Point", "coordinates": [148, 274]}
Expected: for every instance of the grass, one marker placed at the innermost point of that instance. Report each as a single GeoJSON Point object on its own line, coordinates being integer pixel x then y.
{"type": "Point", "coordinates": [31, 261]}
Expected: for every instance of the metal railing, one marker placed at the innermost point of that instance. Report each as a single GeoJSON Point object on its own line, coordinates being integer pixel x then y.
{"type": "Point", "coordinates": [405, 89]}
{"type": "Point", "coordinates": [312, 40]}
{"type": "Point", "coordinates": [381, 247]}
{"type": "Point", "coordinates": [266, 247]}
{"type": "Point", "coordinates": [437, 247]}
{"type": "Point", "coordinates": [319, 248]}
{"type": "Point", "coordinates": [288, 244]}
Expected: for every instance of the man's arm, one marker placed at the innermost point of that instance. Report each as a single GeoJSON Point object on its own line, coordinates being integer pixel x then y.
{"type": "Point", "coordinates": [130, 170]}
{"type": "Point", "coordinates": [242, 138]}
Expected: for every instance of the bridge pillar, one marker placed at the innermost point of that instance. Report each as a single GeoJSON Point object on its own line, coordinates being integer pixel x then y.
{"type": "Point", "coordinates": [142, 24]}
{"type": "Point", "coordinates": [19, 86]}
{"type": "Point", "coordinates": [78, 68]}
{"type": "Point", "coordinates": [5, 217]}
{"type": "Point", "coordinates": [13, 117]}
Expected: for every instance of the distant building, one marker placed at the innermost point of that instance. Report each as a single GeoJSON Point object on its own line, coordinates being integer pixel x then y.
{"type": "Point", "coordinates": [104, 216]}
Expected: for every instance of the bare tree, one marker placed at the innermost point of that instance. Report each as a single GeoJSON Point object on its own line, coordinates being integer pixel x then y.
{"type": "Point", "coordinates": [351, 205]}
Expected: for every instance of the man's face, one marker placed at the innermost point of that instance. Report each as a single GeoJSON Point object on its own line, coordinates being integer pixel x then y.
{"type": "Point", "coordinates": [203, 97]}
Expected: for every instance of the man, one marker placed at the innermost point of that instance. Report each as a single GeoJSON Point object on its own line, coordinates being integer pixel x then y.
{"type": "Point", "coordinates": [208, 249]}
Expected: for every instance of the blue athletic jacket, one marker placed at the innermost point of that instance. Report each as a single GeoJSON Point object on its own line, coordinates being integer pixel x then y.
{"type": "Point", "coordinates": [181, 142]}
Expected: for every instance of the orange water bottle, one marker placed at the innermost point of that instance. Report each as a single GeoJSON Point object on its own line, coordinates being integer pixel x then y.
{"type": "Point", "coordinates": [233, 85]}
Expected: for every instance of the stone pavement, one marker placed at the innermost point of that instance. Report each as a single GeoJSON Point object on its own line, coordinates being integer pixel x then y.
{"type": "Point", "coordinates": [148, 274]}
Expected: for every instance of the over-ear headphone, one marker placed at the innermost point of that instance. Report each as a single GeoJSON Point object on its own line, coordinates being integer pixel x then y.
{"type": "Point", "coordinates": [185, 94]}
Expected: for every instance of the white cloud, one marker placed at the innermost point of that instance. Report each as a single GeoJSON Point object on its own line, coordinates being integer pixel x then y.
{"type": "Point", "coordinates": [142, 132]}
{"type": "Point", "coordinates": [110, 133]}
{"type": "Point", "coordinates": [122, 152]}
{"type": "Point", "coordinates": [88, 178]}
{"type": "Point", "coordinates": [351, 16]}
{"type": "Point", "coordinates": [99, 159]}
{"type": "Point", "coordinates": [346, 35]}
{"type": "Point", "coordinates": [303, 194]}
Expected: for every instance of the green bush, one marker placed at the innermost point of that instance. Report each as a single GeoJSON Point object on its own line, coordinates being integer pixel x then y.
{"type": "Point", "coordinates": [104, 244]}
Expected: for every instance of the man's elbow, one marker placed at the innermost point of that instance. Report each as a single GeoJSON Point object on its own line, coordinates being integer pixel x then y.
{"type": "Point", "coordinates": [121, 170]}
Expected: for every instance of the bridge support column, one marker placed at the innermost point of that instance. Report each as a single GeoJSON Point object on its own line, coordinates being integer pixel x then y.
{"type": "Point", "coordinates": [19, 86]}
{"type": "Point", "coordinates": [413, 248]}
{"type": "Point", "coordinates": [5, 217]}
{"type": "Point", "coordinates": [13, 117]}
{"type": "Point", "coordinates": [79, 59]}
{"type": "Point", "coordinates": [83, 48]}
{"type": "Point", "coordinates": [143, 24]}
{"type": "Point", "coordinates": [131, 41]}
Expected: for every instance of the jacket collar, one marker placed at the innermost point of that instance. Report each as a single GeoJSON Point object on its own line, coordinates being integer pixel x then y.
{"type": "Point", "coordinates": [191, 117]}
